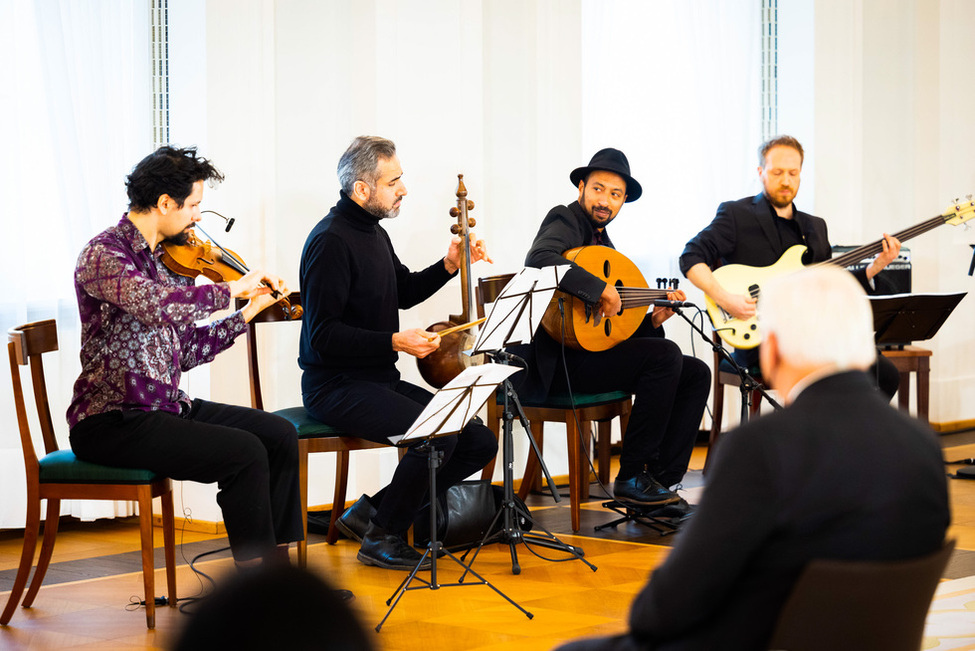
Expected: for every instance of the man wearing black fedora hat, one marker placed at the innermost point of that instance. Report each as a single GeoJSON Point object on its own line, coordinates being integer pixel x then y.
{"type": "Point", "coordinates": [670, 389]}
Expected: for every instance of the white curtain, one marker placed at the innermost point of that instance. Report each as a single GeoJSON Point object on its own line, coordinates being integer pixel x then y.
{"type": "Point", "coordinates": [74, 117]}
{"type": "Point", "coordinates": [676, 85]}
{"type": "Point", "coordinates": [515, 94]}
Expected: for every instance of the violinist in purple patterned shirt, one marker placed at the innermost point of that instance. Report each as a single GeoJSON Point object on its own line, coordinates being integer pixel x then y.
{"type": "Point", "coordinates": [140, 331]}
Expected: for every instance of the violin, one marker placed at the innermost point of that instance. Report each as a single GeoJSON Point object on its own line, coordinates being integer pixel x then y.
{"type": "Point", "coordinates": [196, 257]}
{"type": "Point", "coordinates": [447, 362]}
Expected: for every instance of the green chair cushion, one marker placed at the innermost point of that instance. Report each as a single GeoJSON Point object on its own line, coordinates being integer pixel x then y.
{"type": "Point", "coordinates": [62, 467]}
{"type": "Point", "coordinates": [563, 401]}
{"type": "Point", "coordinates": [307, 426]}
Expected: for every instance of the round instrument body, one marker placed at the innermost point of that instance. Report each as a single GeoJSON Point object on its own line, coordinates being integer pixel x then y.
{"type": "Point", "coordinates": [584, 329]}
{"type": "Point", "coordinates": [439, 369]}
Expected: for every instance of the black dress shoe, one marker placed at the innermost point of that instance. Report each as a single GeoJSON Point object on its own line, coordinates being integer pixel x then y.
{"type": "Point", "coordinates": [644, 490]}
{"type": "Point", "coordinates": [355, 520]}
{"type": "Point", "coordinates": [679, 510]}
{"type": "Point", "coordinates": [388, 551]}
{"type": "Point", "coordinates": [343, 595]}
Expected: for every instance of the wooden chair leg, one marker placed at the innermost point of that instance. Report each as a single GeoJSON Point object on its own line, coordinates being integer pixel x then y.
{"type": "Point", "coordinates": [494, 422]}
{"type": "Point", "coordinates": [148, 567]}
{"type": "Point", "coordinates": [31, 530]}
{"type": "Point", "coordinates": [529, 480]}
{"type": "Point", "coordinates": [51, 521]}
{"type": "Point", "coordinates": [338, 496]}
{"type": "Point", "coordinates": [303, 495]}
{"type": "Point", "coordinates": [169, 544]}
{"type": "Point", "coordinates": [604, 434]}
{"type": "Point", "coordinates": [756, 406]}
{"type": "Point", "coordinates": [578, 462]}
{"type": "Point", "coordinates": [717, 413]}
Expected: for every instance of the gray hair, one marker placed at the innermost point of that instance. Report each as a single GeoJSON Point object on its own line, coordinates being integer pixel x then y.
{"type": "Point", "coordinates": [360, 161]}
{"type": "Point", "coordinates": [793, 307]}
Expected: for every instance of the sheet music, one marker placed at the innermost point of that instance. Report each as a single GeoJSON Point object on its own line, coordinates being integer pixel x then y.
{"type": "Point", "coordinates": [518, 310]}
{"type": "Point", "coordinates": [457, 402]}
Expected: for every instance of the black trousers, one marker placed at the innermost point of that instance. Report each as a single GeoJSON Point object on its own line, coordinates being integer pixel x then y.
{"type": "Point", "coordinates": [670, 392]}
{"type": "Point", "coordinates": [250, 454]}
{"type": "Point", "coordinates": [378, 410]}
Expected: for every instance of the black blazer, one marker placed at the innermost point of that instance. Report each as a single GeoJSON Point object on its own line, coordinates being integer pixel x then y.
{"type": "Point", "coordinates": [839, 474]}
{"type": "Point", "coordinates": [743, 232]}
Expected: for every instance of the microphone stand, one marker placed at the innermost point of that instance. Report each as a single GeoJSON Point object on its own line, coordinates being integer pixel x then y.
{"type": "Point", "coordinates": [748, 383]}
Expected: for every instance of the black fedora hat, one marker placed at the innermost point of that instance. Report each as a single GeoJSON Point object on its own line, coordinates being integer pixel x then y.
{"type": "Point", "coordinates": [610, 160]}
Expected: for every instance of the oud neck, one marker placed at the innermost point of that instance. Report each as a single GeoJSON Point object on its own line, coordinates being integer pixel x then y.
{"type": "Point", "coordinates": [640, 296]}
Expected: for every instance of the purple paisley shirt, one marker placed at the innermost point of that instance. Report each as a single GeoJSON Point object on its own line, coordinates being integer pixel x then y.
{"type": "Point", "coordinates": [139, 327]}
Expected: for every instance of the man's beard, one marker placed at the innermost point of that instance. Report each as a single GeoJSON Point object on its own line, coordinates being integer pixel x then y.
{"type": "Point", "coordinates": [778, 203]}
{"type": "Point", "coordinates": [374, 208]}
{"type": "Point", "coordinates": [180, 239]}
{"type": "Point", "coordinates": [596, 223]}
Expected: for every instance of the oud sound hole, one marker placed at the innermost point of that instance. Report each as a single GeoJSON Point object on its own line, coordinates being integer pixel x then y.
{"type": "Point", "coordinates": [606, 268]}
{"type": "Point", "coordinates": [607, 327]}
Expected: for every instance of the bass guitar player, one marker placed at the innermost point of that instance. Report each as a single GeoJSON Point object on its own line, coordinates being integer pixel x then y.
{"type": "Point", "coordinates": [757, 231]}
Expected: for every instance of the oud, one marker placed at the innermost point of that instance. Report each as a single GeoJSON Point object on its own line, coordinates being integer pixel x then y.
{"type": "Point", "coordinates": [582, 327]}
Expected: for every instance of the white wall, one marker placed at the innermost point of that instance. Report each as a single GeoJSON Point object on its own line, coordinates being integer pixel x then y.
{"type": "Point", "coordinates": [877, 91]}
{"type": "Point", "coordinates": [490, 90]}
{"type": "Point", "coordinates": [893, 146]}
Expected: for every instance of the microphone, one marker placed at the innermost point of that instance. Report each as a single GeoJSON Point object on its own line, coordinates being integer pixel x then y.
{"type": "Point", "coordinates": [673, 305]}
{"type": "Point", "coordinates": [229, 220]}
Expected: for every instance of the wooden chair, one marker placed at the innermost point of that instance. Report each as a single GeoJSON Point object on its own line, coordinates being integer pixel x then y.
{"type": "Point", "coordinates": [868, 606]}
{"type": "Point", "coordinates": [599, 408]}
{"type": "Point", "coordinates": [313, 436]}
{"type": "Point", "coordinates": [725, 375]}
{"type": "Point", "coordinates": [60, 475]}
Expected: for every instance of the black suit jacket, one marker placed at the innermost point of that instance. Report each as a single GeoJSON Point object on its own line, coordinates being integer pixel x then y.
{"type": "Point", "coordinates": [839, 474]}
{"type": "Point", "coordinates": [743, 232]}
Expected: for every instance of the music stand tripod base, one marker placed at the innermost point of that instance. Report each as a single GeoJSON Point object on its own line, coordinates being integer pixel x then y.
{"type": "Point", "coordinates": [641, 515]}
{"type": "Point", "coordinates": [505, 527]}
{"type": "Point", "coordinates": [434, 548]}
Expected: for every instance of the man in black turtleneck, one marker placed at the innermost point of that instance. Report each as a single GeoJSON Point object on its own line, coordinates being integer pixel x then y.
{"type": "Point", "coordinates": [352, 287]}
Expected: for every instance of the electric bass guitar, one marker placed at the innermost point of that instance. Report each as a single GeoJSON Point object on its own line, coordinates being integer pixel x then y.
{"type": "Point", "coordinates": [583, 327]}
{"type": "Point", "coordinates": [742, 279]}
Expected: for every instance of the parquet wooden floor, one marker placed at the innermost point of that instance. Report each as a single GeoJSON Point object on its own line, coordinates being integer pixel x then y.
{"type": "Point", "coordinates": [78, 609]}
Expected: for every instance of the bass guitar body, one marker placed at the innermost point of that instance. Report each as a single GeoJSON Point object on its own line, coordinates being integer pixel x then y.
{"type": "Point", "coordinates": [742, 279]}
{"type": "Point", "coordinates": [584, 328]}
{"type": "Point", "coordinates": [745, 280]}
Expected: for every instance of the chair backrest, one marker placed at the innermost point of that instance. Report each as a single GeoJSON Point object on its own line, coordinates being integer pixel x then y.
{"type": "Point", "coordinates": [860, 605]}
{"type": "Point", "coordinates": [270, 314]}
{"type": "Point", "coordinates": [488, 289]}
{"type": "Point", "coordinates": [25, 345]}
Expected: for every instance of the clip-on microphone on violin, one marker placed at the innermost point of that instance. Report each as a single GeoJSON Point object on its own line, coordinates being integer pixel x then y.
{"type": "Point", "coordinates": [229, 220]}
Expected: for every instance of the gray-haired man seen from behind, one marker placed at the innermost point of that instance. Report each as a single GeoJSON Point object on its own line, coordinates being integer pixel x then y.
{"type": "Point", "coordinates": [837, 474]}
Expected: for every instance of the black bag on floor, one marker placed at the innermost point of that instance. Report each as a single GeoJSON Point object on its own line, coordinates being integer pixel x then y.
{"type": "Point", "coordinates": [465, 512]}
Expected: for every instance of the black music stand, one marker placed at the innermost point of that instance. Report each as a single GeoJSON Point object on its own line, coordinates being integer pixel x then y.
{"type": "Point", "coordinates": [447, 413]}
{"type": "Point", "coordinates": [514, 318]}
{"type": "Point", "coordinates": [899, 319]}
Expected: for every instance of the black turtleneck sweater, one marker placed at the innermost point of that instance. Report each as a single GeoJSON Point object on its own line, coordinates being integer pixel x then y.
{"type": "Point", "coordinates": [352, 288]}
